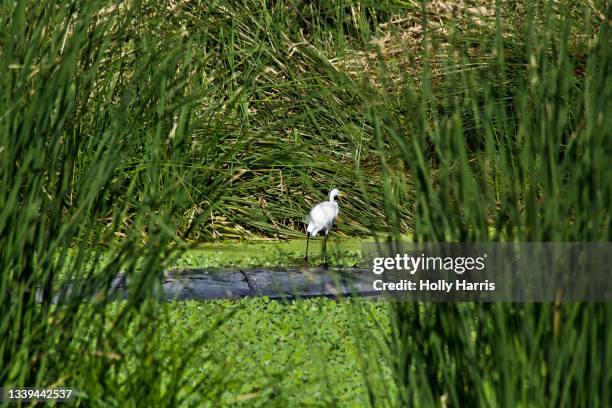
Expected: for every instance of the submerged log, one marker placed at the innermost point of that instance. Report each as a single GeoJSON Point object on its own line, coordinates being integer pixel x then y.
{"type": "Point", "coordinates": [204, 284]}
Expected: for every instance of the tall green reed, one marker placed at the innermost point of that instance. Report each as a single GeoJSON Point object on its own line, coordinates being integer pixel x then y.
{"type": "Point", "coordinates": [93, 107]}
{"type": "Point", "coordinates": [507, 139]}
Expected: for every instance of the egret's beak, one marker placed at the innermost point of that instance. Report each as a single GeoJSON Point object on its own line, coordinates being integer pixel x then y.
{"type": "Point", "coordinates": [341, 195]}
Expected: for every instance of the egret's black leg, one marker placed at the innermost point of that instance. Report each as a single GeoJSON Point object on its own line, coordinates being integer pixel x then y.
{"type": "Point", "coordinates": [325, 251]}
{"type": "Point", "coordinates": [307, 240]}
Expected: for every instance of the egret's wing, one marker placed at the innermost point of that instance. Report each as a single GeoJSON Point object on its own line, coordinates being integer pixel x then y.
{"type": "Point", "coordinates": [323, 214]}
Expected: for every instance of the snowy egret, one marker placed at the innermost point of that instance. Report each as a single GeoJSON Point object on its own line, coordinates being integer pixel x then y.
{"type": "Point", "coordinates": [321, 219]}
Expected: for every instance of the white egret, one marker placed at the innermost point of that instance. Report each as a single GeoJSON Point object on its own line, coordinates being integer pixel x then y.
{"type": "Point", "coordinates": [320, 219]}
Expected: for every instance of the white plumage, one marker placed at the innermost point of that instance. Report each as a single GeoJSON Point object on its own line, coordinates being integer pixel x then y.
{"type": "Point", "coordinates": [321, 218]}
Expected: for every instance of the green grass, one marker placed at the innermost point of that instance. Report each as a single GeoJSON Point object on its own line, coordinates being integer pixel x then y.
{"type": "Point", "coordinates": [341, 252]}
{"type": "Point", "coordinates": [130, 132]}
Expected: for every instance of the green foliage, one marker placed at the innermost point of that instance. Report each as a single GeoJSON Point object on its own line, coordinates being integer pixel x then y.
{"type": "Point", "coordinates": [502, 354]}
{"type": "Point", "coordinates": [268, 352]}
{"type": "Point", "coordinates": [514, 151]}
{"type": "Point", "coordinates": [80, 83]}
{"type": "Point", "coordinates": [128, 129]}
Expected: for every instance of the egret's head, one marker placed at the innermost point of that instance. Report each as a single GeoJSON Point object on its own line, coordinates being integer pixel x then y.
{"type": "Point", "coordinates": [334, 194]}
